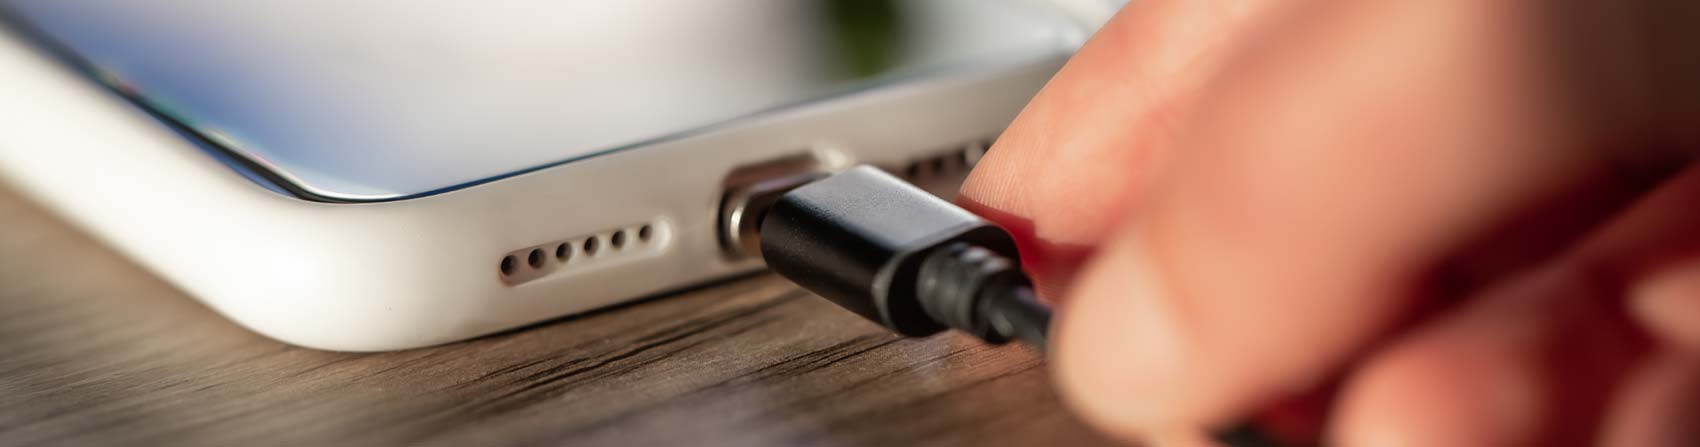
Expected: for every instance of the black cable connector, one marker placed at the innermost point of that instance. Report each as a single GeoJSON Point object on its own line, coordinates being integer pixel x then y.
{"type": "Point", "coordinates": [900, 256]}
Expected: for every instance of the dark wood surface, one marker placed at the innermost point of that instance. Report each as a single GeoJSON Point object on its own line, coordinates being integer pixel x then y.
{"type": "Point", "coordinates": [96, 351]}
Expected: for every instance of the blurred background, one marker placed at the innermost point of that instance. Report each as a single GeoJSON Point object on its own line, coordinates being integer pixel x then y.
{"type": "Point", "coordinates": [379, 99]}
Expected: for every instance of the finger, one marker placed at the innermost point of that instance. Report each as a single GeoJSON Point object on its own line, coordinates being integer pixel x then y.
{"type": "Point", "coordinates": [1537, 362]}
{"type": "Point", "coordinates": [1064, 170]}
{"type": "Point", "coordinates": [1667, 303]}
{"type": "Point", "coordinates": [1659, 404]}
{"type": "Point", "coordinates": [1331, 170]}
{"type": "Point", "coordinates": [1533, 364]}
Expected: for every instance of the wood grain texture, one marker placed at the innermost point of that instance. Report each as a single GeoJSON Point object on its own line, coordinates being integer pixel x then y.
{"type": "Point", "coordinates": [96, 351]}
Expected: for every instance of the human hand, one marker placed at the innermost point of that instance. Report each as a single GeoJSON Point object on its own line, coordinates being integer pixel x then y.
{"type": "Point", "coordinates": [1390, 223]}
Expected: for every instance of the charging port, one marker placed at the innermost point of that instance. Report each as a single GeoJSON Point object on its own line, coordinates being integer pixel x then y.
{"type": "Point", "coordinates": [750, 190]}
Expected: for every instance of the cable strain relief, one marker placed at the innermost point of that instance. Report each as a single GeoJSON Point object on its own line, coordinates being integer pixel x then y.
{"type": "Point", "coordinates": [953, 279]}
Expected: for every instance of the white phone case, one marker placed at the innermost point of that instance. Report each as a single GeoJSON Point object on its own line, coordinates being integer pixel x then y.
{"type": "Point", "coordinates": [424, 271]}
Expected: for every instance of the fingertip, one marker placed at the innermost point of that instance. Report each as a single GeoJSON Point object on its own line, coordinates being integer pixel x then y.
{"type": "Point", "coordinates": [1431, 392]}
{"type": "Point", "coordinates": [1003, 179]}
{"type": "Point", "coordinates": [1127, 356]}
{"type": "Point", "coordinates": [1667, 303]}
{"type": "Point", "coordinates": [1086, 147]}
{"type": "Point", "coordinates": [1116, 346]}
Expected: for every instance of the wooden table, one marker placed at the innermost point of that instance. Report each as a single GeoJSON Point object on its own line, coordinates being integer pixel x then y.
{"type": "Point", "coordinates": [96, 351]}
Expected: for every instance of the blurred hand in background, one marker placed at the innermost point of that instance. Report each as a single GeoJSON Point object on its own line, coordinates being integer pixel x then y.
{"type": "Point", "coordinates": [1382, 223]}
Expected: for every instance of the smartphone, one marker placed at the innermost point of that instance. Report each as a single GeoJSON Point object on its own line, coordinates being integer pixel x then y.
{"type": "Point", "coordinates": [374, 175]}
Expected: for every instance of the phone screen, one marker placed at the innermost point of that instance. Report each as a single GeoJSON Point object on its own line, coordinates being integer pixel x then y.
{"type": "Point", "coordinates": [377, 100]}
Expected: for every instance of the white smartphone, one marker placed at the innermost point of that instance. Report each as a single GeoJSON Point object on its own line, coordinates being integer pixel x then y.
{"type": "Point", "coordinates": [374, 175]}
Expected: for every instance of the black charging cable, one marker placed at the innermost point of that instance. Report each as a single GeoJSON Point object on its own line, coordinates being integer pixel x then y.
{"type": "Point", "coordinates": [897, 255]}
{"type": "Point", "coordinates": [900, 256]}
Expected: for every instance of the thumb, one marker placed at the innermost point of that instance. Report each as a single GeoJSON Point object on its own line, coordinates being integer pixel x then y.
{"type": "Point", "coordinates": [1063, 174]}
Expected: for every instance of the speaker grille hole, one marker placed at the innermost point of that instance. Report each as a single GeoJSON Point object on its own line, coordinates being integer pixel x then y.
{"type": "Point", "coordinates": [618, 240]}
{"type": "Point", "coordinates": [644, 233]}
{"type": "Point", "coordinates": [508, 265]}
{"type": "Point", "coordinates": [535, 259]}
{"type": "Point", "coordinates": [563, 252]}
{"type": "Point", "coordinates": [591, 245]}
{"type": "Point", "coordinates": [947, 163]}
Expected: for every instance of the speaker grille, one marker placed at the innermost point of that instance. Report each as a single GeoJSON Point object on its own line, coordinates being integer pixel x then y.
{"type": "Point", "coordinates": [583, 252]}
{"type": "Point", "coordinates": [942, 171]}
